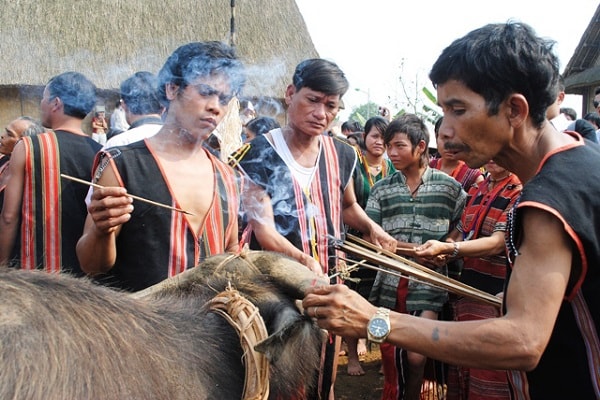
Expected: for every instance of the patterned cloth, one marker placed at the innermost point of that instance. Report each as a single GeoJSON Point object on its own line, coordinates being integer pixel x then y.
{"type": "Point", "coordinates": [438, 203]}
{"type": "Point", "coordinates": [466, 176]}
{"type": "Point", "coordinates": [157, 243]}
{"type": "Point", "coordinates": [472, 383]}
{"type": "Point", "coordinates": [54, 211]}
{"type": "Point", "coordinates": [365, 180]}
{"type": "Point", "coordinates": [570, 365]}
{"type": "Point", "coordinates": [485, 213]}
{"type": "Point", "coordinates": [308, 219]}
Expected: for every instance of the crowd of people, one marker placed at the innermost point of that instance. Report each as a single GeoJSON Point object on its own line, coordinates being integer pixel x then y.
{"type": "Point", "coordinates": [486, 211]}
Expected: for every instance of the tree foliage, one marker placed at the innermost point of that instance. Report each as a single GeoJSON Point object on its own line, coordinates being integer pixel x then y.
{"type": "Point", "coordinates": [363, 112]}
{"type": "Point", "coordinates": [412, 96]}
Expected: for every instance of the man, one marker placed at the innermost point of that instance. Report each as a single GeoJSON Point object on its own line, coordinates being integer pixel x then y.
{"type": "Point", "coordinates": [349, 127]}
{"type": "Point", "coordinates": [142, 109]}
{"type": "Point", "coordinates": [118, 121]}
{"type": "Point", "coordinates": [43, 214]}
{"type": "Point", "coordinates": [495, 85]}
{"type": "Point", "coordinates": [562, 121]}
{"type": "Point", "coordinates": [133, 245]}
{"type": "Point", "coordinates": [13, 132]}
{"type": "Point", "coordinates": [301, 192]}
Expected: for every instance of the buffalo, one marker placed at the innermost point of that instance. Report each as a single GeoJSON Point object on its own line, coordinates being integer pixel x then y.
{"type": "Point", "coordinates": [68, 338]}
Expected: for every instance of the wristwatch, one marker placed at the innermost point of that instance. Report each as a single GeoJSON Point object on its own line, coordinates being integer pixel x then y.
{"type": "Point", "coordinates": [379, 326]}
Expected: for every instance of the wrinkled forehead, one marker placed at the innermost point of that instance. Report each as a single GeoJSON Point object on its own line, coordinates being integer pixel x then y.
{"type": "Point", "coordinates": [17, 127]}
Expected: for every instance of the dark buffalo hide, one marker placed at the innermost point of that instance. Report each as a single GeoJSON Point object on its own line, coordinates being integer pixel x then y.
{"type": "Point", "coordinates": [68, 338]}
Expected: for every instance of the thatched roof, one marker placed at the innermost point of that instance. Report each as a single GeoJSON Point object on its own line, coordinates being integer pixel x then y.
{"type": "Point", "coordinates": [583, 69]}
{"type": "Point", "coordinates": [108, 40]}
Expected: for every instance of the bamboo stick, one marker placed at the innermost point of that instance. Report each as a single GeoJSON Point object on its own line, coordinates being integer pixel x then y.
{"type": "Point", "coordinates": [411, 263]}
{"type": "Point", "coordinates": [95, 185]}
{"type": "Point", "coordinates": [400, 266]}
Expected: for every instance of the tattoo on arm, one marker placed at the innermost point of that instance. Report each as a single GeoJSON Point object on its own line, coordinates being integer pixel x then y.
{"type": "Point", "coordinates": [435, 334]}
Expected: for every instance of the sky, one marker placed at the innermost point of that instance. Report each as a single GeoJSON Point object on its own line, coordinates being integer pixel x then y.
{"type": "Point", "coordinates": [376, 41]}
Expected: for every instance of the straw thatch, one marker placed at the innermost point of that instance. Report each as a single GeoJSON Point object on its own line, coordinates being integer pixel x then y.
{"type": "Point", "coordinates": [108, 40]}
{"type": "Point", "coordinates": [582, 74]}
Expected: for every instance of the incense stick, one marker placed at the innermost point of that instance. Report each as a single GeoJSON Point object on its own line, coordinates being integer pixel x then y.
{"type": "Point", "coordinates": [95, 185]}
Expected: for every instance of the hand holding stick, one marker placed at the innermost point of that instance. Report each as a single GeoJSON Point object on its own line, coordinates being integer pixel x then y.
{"type": "Point", "coordinates": [95, 185]}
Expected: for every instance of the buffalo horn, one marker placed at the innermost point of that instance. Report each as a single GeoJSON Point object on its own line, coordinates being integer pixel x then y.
{"type": "Point", "coordinates": [293, 277]}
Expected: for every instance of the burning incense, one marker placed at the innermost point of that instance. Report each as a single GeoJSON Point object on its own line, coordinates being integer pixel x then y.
{"type": "Point", "coordinates": [95, 185]}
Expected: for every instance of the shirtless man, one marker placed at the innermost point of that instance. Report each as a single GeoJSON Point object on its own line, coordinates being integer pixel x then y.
{"type": "Point", "coordinates": [133, 245]}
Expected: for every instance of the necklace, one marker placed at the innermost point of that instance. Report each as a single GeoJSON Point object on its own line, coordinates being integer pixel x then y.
{"type": "Point", "coordinates": [492, 180]}
{"type": "Point", "coordinates": [378, 169]}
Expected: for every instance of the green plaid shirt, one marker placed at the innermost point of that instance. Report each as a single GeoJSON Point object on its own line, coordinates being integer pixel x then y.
{"type": "Point", "coordinates": [437, 206]}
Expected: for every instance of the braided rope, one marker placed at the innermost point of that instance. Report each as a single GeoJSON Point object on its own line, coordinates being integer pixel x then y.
{"type": "Point", "coordinates": [244, 317]}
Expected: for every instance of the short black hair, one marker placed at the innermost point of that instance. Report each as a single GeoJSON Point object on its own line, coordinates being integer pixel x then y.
{"type": "Point", "coordinates": [500, 59]}
{"type": "Point", "coordinates": [352, 126]}
{"type": "Point", "coordinates": [570, 112]}
{"type": "Point", "coordinates": [593, 117]}
{"type": "Point", "coordinates": [377, 122]}
{"type": "Point", "coordinates": [139, 92]}
{"type": "Point", "coordinates": [75, 91]}
{"type": "Point", "coordinates": [263, 124]}
{"type": "Point", "coordinates": [199, 59]}
{"type": "Point", "coordinates": [413, 127]}
{"type": "Point", "coordinates": [320, 75]}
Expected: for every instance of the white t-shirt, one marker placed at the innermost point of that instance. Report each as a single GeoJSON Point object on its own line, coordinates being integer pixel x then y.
{"type": "Point", "coordinates": [302, 174]}
{"type": "Point", "coordinates": [118, 122]}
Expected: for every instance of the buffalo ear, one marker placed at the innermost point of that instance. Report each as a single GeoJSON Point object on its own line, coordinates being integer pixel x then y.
{"type": "Point", "coordinates": [300, 332]}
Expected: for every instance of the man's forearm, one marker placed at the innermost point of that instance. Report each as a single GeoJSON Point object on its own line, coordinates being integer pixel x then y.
{"type": "Point", "coordinates": [8, 235]}
{"type": "Point", "coordinates": [96, 254]}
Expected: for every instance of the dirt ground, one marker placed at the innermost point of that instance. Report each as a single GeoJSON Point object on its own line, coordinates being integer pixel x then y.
{"type": "Point", "coordinates": [366, 387]}
{"type": "Point", "coordinates": [370, 385]}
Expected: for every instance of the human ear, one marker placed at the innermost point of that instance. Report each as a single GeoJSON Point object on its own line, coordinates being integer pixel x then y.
{"type": "Point", "coordinates": [289, 92]}
{"type": "Point", "coordinates": [518, 109]}
{"type": "Point", "coordinates": [171, 91]}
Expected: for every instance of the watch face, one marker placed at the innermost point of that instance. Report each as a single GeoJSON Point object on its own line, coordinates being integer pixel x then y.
{"type": "Point", "coordinates": [378, 327]}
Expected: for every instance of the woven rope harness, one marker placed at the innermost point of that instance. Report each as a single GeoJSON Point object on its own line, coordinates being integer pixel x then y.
{"type": "Point", "coordinates": [244, 317]}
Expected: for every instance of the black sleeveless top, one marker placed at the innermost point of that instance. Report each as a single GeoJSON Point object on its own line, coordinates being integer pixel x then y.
{"type": "Point", "coordinates": [570, 365]}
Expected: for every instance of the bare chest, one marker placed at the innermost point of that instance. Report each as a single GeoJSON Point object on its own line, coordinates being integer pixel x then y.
{"type": "Point", "coordinates": [192, 185]}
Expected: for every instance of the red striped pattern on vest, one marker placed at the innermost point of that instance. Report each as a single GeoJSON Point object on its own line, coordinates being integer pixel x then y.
{"type": "Point", "coordinates": [49, 188]}
{"type": "Point", "coordinates": [319, 191]}
{"type": "Point", "coordinates": [216, 230]}
{"type": "Point", "coordinates": [302, 218]}
{"type": "Point", "coordinates": [585, 322]}
{"type": "Point", "coordinates": [177, 256]}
